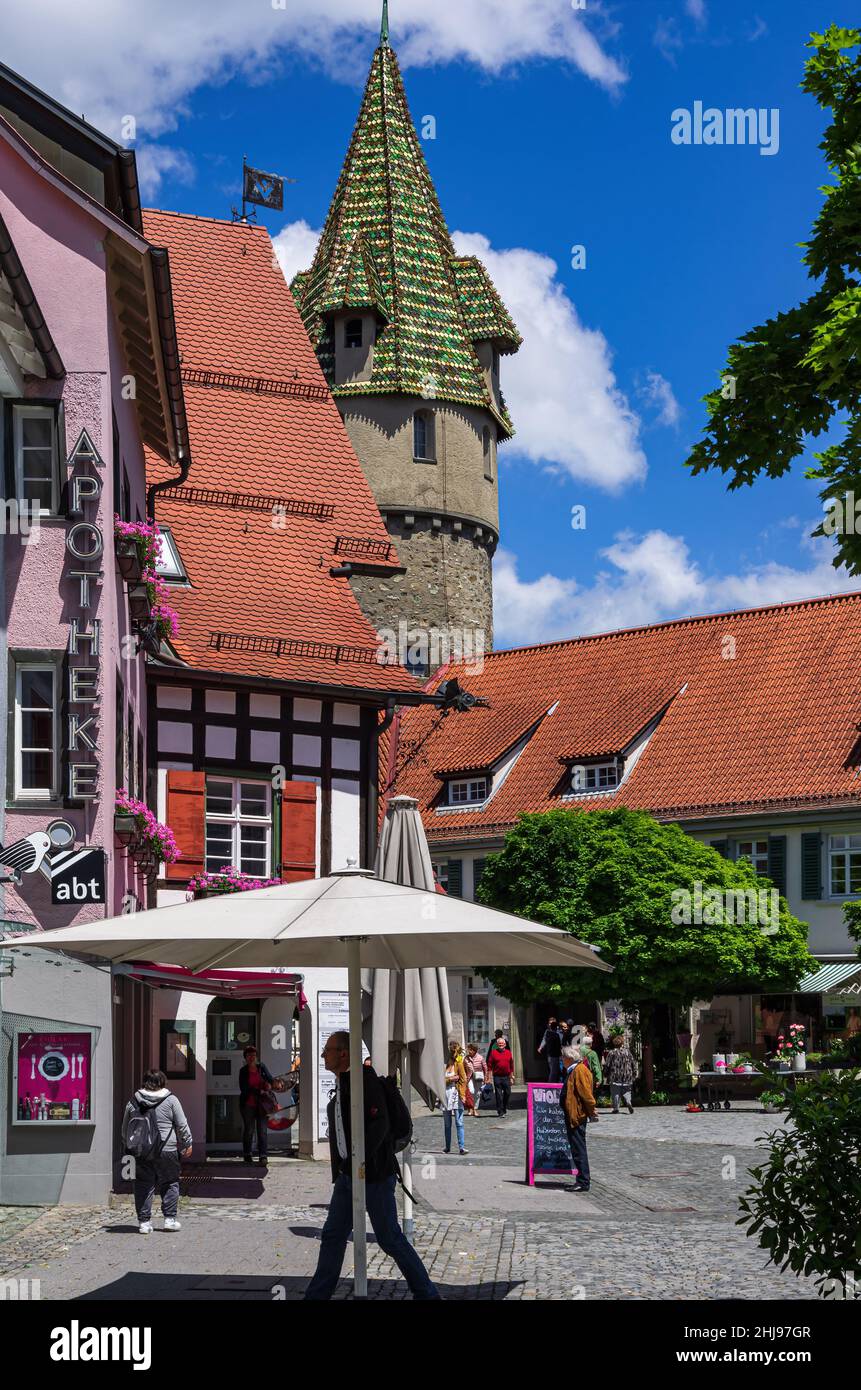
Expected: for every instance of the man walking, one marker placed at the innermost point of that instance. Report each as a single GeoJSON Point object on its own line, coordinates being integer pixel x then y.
{"type": "Point", "coordinates": [500, 1064]}
{"type": "Point", "coordinates": [577, 1099]}
{"type": "Point", "coordinates": [381, 1167]}
{"type": "Point", "coordinates": [154, 1127]}
{"type": "Point", "coordinates": [551, 1047]}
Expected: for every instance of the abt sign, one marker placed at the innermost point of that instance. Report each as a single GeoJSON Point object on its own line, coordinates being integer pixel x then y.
{"type": "Point", "coordinates": [78, 877]}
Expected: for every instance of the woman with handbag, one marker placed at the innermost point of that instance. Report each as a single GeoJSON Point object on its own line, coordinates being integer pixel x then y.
{"type": "Point", "coordinates": [455, 1090]}
{"type": "Point", "coordinates": [255, 1100]}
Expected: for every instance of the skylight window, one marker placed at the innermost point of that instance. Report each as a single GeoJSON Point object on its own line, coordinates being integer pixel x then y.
{"type": "Point", "coordinates": [169, 565]}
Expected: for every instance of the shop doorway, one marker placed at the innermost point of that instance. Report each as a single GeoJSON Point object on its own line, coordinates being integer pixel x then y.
{"type": "Point", "coordinates": [231, 1026]}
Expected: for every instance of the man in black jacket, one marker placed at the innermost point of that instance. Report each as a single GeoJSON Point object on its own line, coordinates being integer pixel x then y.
{"type": "Point", "coordinates": [380, 1169]}
{"type": "Point", "coordinates": [551, 1046]}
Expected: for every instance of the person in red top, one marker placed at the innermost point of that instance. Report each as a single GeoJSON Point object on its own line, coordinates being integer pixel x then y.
{"type": "Point", "coordinates": [500, 1064]}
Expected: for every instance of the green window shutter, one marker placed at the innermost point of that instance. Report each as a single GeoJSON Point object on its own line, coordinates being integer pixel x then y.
{"type": "Point", "coordinates": [455, 878]}
{"type": "Point", "coordinates": [722, 847]}
{"type": "Point", "coordinates": [478, 867]}
{"type": "Point", "coordinates": [811, 865]}
{"type": "Point", "coordinates": [777, 862]}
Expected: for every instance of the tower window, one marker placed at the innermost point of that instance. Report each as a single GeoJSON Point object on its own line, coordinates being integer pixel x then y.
{"type": "Point", "coordinates": [353, 333]}
{"type": "Point", "coordinates": [424, 436]}
{"type": "Point", "coordinates": [487, 448]}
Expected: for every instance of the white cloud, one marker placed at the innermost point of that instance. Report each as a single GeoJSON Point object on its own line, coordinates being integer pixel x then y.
{"type": "Point", "coordinates": [157, 162]}
{"type": "Point", "coordinates": [294, 246]}
{"type": "Point", "coordinates": [113, 58]}
{"type": "Point", "coordinates": [658, 392]}
{"type": "Point", "coordinates": [697, 11]}
{"type": "Point", "coordinates": [650, 579]}
{"type": "Point", "coordinates": [566, 406]}
{"type": "Point", "coordinates": [667, 39]}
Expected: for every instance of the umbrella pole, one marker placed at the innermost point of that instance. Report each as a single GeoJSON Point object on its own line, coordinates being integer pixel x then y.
{"type": "Point", "coordinates": [406, 1165]}
{"type": "Point", "coordinates": [357, 1120]}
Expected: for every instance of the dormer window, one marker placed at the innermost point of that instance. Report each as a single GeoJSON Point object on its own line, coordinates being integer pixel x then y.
{"type": "Point", "coordinates": [424, 441]}
{"type": "Point", "coordinates": [467, 790]}
{"type": "Point", "coordinates": [353, 335]}
{"type": "Point", "coordinates": [169, 565]}
{"type": "Point", "coordinates": [594, 777]}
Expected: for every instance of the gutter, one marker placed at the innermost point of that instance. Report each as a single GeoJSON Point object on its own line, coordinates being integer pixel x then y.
{"type": "Point", "coordinates": [160, 262]}
{"type": "Point", "coordinates": [32, 315]}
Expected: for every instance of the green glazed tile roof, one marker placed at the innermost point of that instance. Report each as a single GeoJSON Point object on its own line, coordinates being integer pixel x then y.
{"type": "Point", "coordinates": [385, 245]}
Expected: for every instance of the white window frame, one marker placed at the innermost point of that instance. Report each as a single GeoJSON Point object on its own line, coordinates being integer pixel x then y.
{"type": "Point", "coordinates": [169, 564]}
{"type": "Point", "coordinates": [844, 851]}
{"type": "Point", "coordinates": [236, 820]}
{"type": "Point", "coordinates": [758, 858]}
{"type": "Point", "coordinates": [35, 412]}
{"type": "Point", "coordinates": [23, 793]}
{"type": "Point", "coordinates": [471, 784]}
{"type": "Point", "coordinates": [596, 769]}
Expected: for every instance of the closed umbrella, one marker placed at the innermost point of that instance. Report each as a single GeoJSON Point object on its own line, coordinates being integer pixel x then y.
{"type": "Point", "coordinates": [410, 1020]}
{"type": "Point", "coordinates": [350, 919]}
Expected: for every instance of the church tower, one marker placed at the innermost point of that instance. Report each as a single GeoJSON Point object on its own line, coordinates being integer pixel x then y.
{"type": "Point", "coordinates": [409, 336]}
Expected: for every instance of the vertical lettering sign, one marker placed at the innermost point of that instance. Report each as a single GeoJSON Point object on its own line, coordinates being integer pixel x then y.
{"type": "Point", "coordinates": [85, 543]}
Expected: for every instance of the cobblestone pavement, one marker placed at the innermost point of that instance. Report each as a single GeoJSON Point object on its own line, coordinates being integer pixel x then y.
{"type": "Point", "coordinates": [659, 1223]}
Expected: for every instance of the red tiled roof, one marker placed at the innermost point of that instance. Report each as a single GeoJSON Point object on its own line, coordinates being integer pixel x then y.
{"type": "Point", "coordinates": [262, 424]}
{"type": "Point", "coordinates": [774, 725]}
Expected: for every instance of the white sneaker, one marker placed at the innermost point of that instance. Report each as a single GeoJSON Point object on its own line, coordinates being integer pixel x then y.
{"type": "Point", "coordinates": [171, 1224]}
{"type": "Point", "coordinates": [145, 1228]}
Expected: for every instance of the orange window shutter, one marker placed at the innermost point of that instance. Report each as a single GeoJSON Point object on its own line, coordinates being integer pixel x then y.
{"type": "Point", "coordinates": [298, 831]}
{"type": "Point", "coordinates": [186, 816]}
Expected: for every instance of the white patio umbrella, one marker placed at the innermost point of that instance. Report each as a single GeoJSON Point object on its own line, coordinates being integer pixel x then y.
{"type": "Point", "coordinates": [410, 1017]}
{"type": "Point", "coordinates": [350, 920]}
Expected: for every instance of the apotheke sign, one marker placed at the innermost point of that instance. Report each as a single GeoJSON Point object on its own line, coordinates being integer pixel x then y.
{"type": "Point", "coordinates": [85, 543]}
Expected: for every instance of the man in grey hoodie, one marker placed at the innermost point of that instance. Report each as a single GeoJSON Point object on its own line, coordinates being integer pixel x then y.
{"type": "Point", "coordinates": [161, 1172]}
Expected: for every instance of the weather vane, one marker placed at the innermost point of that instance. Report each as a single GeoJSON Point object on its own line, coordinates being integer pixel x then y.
{"type": "Point", "coordinates": [264, 190]}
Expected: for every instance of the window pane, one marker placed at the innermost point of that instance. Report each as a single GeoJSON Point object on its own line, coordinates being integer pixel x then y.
{"type": "Point", "coordinates": [219, 845]}
{"type": "Point", "coordinates": [37, 689]}
{"type": "Point", "coordinates": [37, 730]}
{"type": "Point", "coordinates": [837, 875]}
{"type": "Point", "coordinates": [36, 771]}
{"type": "Point", "coordinates": [219, 798]}
{"type": "Point", "coordinates": [254, 800]}
{"type": "Point", "coordinates": [854, 873]}
{"type": "Point", "coordinates": [36, 431]}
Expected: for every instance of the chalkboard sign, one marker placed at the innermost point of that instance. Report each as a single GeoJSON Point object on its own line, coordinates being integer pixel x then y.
{"type": "Point", "coordinates": [547, 1147]}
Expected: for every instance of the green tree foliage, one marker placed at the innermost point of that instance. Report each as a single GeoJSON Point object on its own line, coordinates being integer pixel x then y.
{"type": "Point", "coordinates": [852, 918]}
{"type": "Point", "coordinates": [805, 1204]}
{"type": "Point", "coordinates": [608, 877]}
{"type": "Point", "coordinates": [788, 378]}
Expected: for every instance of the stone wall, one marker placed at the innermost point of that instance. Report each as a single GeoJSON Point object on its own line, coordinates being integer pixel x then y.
{"type": "Point", "coordinates": [447, 585]}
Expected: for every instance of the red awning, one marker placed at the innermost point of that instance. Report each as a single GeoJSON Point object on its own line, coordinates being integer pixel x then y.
{"type": "Point", "coordinates": [230, 984]}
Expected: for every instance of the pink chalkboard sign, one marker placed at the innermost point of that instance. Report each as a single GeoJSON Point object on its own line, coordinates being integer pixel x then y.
{"type": "Point", "coordinates": [547, 1147]}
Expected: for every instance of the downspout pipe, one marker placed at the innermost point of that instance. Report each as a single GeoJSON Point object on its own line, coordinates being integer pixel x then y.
{"type": "Point", "coordinates": [160, 262]}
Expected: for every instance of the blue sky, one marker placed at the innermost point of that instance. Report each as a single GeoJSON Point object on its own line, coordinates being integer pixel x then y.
{"type": "Point", "coordinates": [553, 129]}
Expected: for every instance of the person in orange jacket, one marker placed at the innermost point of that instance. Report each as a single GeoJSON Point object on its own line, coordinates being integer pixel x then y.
{"type": "Point", "coordinates": [577, 1099]}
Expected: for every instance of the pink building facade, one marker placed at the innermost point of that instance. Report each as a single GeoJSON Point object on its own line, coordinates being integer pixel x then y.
{"type": "Point", "coordinates": [88, 376]}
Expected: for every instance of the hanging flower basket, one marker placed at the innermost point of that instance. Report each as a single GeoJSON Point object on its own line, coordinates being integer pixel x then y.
{"type": "Point", "coordinates": [125, 827]}
{"type": "Point", "coordinates": [128, 560]}
{"type": "Point", "coordinates": [152, 842]}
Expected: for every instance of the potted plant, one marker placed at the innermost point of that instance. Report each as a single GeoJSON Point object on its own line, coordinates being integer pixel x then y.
{"type": "Point", "coordinates": [790, 1048]}
{"type": "Point", "coordinates": [772, 1101]}
{"type": "Point", "coordinates": [659, 1098]}
{"type": "Point", "coordinates": [149, 835]}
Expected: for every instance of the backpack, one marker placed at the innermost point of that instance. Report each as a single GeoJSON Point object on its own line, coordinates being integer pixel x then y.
{"type": "Point", "coordinates": [143, 1140]}
{"type": "Point", "coordinates": [400, 1119]}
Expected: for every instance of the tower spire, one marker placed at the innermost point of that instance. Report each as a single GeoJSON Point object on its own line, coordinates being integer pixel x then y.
{"type": "Point", "coordinates": [384, 26]}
